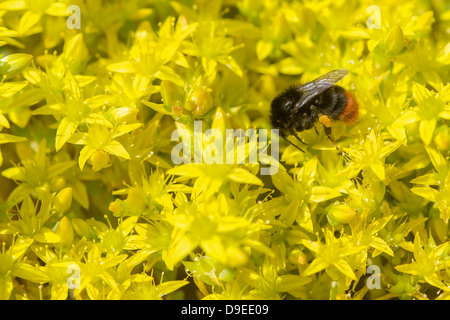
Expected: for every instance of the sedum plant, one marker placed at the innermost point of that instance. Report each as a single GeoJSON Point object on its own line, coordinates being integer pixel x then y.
{"type": "Point", "coordinates": [94, 207]}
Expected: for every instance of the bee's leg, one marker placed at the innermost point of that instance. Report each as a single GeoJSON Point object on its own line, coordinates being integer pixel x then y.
{"type": "Point", "coordinates": [317, 132]}
{"type": "Point", "coordinates": [300, 140]}
{"type": "Point", "coordinates": [295, 146]}
{"type": "Point", "coordinates": [327, 131]}
{"type": "Point", "coordinates": [285, 138]}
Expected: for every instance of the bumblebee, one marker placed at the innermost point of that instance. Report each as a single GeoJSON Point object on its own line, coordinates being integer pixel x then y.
{"type": "Point", "coordinates": [300, 107]}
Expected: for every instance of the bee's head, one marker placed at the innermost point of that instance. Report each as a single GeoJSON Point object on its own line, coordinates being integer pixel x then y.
{"type": "Point", "coordinates": [282, 108]}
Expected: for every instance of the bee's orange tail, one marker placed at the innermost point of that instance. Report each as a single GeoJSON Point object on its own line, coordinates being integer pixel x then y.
{"type": "Point", "coordinates": [350, 114]}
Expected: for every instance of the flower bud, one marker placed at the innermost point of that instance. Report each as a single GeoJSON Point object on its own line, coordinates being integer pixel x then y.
{"type": "Point", "coordinates": [182, 22]}
{"type": "Point", "coordinates": [442, 138]}
{"type": "Point", "coordinates": [297, 256]}
{"type": "Point", "coordinates": [236, 257]}
{"type": "Point", "coordinates": [177, 111]}
{"type": "Point", "coordinates": [200, 101]}
{"type": "Point", "coordinates": [123, 114]}
{"type": "Point", "coordinates": [220, 121]}
{"type": "Point", "coordinates": [58, 183]}
{"type": "Point", "coordinates": [14, 64]}
{"type": "Point", "coordinates": [63, 200]}
{"type": "Point", "coordinates": [136, 199]}
{"type": "Point", "coordinates": [341, 213]}
{"type": "Point", "coordinates": [438, 226]}
{"type": "Point", "coordinates": [65, 232]}
{"type": "Point", "coordinates": [281, 28]}
{"type": "Point", "coordinates": [76, 54]}
{"type": "Point", "coordinates": [394, 41]}
{"type": "Point", "coordinates": [100, 160]}
{"type": "Point", "coordinates": [116, 207]}
{"type": "Point", "coordinates": [306, 18]}
{"type": "Point", "coordinates": [250, 7]}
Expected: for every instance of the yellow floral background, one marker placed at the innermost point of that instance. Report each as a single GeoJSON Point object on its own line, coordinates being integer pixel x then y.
{"type": "Point", "coordinates": [92, 206]}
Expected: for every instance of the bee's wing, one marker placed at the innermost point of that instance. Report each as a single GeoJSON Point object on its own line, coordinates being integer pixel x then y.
{"type": "Point", "coordinates": [312, 89]}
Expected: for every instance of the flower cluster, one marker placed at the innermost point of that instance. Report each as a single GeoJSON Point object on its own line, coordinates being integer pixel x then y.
{"type": "Point", "coordinates": [93, 207]}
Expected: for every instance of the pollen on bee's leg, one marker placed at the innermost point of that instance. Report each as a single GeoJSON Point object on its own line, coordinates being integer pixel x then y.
{"type": "Point", "coordinates": [350, 114]}
{"type": "Point", "coordinates": [326, 121]}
